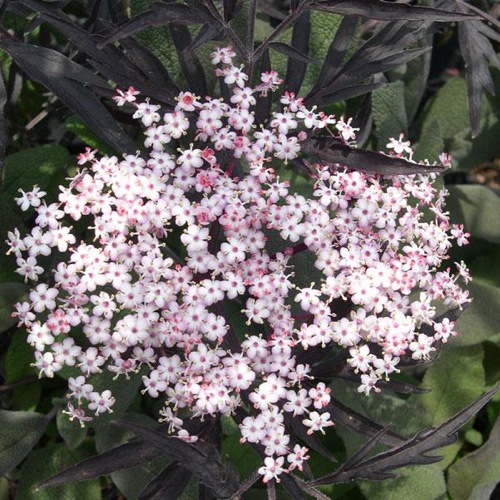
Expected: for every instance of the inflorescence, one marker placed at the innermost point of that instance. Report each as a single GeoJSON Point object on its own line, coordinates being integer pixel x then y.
{"type": "Point", "coordinates": [180, 234]}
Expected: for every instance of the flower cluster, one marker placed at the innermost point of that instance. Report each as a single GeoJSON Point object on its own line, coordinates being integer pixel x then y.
{"type": "Point", "coordinates": [181, 237]}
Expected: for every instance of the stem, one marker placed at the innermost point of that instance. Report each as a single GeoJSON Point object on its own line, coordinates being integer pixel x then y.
{"type": "Point", "coordinates": [299, 247]}
{"type": "Point", "coordinates": [246, 485]}
{"type": "Point", "coordinates": [17, 383]}
{"type": "Point", "coordinates": [290, 19]}
{"type": "Point", "coordinates": [238, 44]}
{"type": "Point", "coordinates": [252, 15]}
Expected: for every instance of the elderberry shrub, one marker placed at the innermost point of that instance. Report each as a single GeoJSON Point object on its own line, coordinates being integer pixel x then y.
{"type": "Point", "coordinates": [179, 233]}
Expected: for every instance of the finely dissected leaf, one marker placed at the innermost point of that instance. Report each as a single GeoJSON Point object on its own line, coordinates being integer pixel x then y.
{"type": "Point", "coordinates": [122, 457]}
{"type": "Point", "coordinates": [363, 425]}
{"type": "Point", "coordinates": [388, 11]}
{"type": "Point", "coordinates": [200, 458]}
{"type": "Point", "coordinates": [21, 430]}
{"type": "Point", "coordinates": [323, 27]}
{"type": "Point", "coordinates": [296, 70]}
{"type": "Point", "coordinates": [413, 451]}
{"type": "Point", "coordinates": [9, 294]}
{"type": "Point", "coordinates": [477, 52]}
{"type": "Point", "coordinates": [189, 61]}
{"type": "Point", "coordinates": [134, 67]}
{"type": "Point", "coordinates": [476, 475]}
{"type": "Point", "coordinates": [415, 79]}
{"type": "Point", "coordinates": [384, 51]}
{"type": "Point", "coordinates": [331, 151]}
{"type": "Point", "coordinates": [3, 130]}
{"type": "Point", "coordinates": [229, 9]}
{"type": "Point", "coordinates": [264, 102]}
{"type": "Point", "coordinates": [170, 483]}
{"type": "Point", "coordinates": [337, 50]}
{"type": "Point", "coordinates": [49, 460]}
{"type": "Point", "coordinates": [160, 15]}
{"type": "Point", "coordinates": [130, 481]}
{"type": "Point", "coordinates": [291, 52]}
{"type": "Point", "coordinates": [292, 487]}
{"type": "Point", "coordinates": [66, 80]}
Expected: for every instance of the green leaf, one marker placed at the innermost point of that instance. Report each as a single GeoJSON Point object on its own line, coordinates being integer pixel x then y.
{"type": "Point", "coordinates": [446, 119]}
{"type": "Point", "coordinates": [416, 483]}
{"type": "Point", "coordinates": [48, 461]}
{"type": "Point", "coordinates": [449, 109]}
{"type": "Point", "coordinates": [21, 430]}
{"type": "Point", "coordinates": [80, 129]}
{"type": "Point", "coordinates": [43, 165]}
{"type": "Point", "coordinates": [10, 293]}
{"type": "Point", "coordinates": [18, 366]}
{"type": "Point", "coordinates": [389, 112]}
{"type": "Point", "coordinates": [19, 357]}
{"type": "Point", "coordinates": [243, 456]}
{"type": "Point", "coordinates": [431, 142]}
{"type": "Point", "coordinates": [415, 80]}
{"type": "Point", "coordinates": [481, 320]}
{"type": "Point", "coordinates": [72, 433]}
{"type": "Point", "coordinates": [478, 208]}
{"type": "Point", "coordinates": [475, 476]}
{"type": "Point", "coordinates": [455, 380]}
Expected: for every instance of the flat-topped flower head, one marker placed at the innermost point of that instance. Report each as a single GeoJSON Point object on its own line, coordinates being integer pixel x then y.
{"type": "Point", "coordinates": [188, 232]}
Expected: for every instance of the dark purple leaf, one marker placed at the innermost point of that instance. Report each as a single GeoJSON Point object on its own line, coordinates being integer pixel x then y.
{"type": "Point", "coordinates": [201, 458]}
{"type": "Point", "coordinates": [162, 14]}
{"type": "Point", "coordinates": [291, 487]}
{"type": "Point", "coordinates": [477, 52]}
{"type": "Point", "coordinates": [138, 68]}
{"type": "Point", "coordinates": [66, 80]}
{"type": "Point", "coordinates": [155, 73]}
{"type": "Point", "coordinates": [296, 70]}
{"type": "Point", "coordinates": [3, 129]}
{"type": "Point", "coordinates": [125, 456]}
{"type": "Point", "coordinates": [229, 9]}
{"type": "Point", "coordinates": [342, 414]}
{"type": "Point", "coordinates": [412, 451]}
{"type": "Point", "coordinates": [206, 33]}
{"type": "Point", "coordinates": [300, 431]}
{"type": "Point", "coordinates": [343, 93]}
{"type": "Point", "coordinates": [333, 152]}
{"type": "Point", "coordinates": [384, 51]}
{"type": "Point", "coordinates": [190, 64]}
{"type": "Point", "coordinates": [170, 483]}
{"type": "Point", "coordinates": [264, 102]}
{"type": "Point", "coordinates": [292, 52]}
{"type": "Point", "coordinates": [337, 50]}
{"type": "Point", "coordinates": [388, 11]}
{"type": "Point", "coordinates": [359, 71]}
